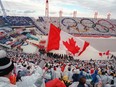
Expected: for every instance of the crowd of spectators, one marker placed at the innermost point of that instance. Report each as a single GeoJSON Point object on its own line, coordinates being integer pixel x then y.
{"type": "Point", "coordinates": [16, 21]}
{"type": "Point", "coordinates": [2, 23]}
{"type": "Point", "coordinates": [16, 37]}
{"type": "Point", "coordinates": [32, 70]}
{"type": "Point", "coordinates": [19, 21]}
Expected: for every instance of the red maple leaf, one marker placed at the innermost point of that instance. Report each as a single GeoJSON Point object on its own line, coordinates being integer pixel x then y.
{"type": "Point", "coordinates": [71, 46]}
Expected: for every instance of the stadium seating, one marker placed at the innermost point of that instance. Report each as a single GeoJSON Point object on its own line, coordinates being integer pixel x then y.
{"type": "Point", "coordinates": [75, 26]}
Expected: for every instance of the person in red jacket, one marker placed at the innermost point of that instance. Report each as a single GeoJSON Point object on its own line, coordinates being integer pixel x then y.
{"type": "Point", "coordinates": [55, 83]}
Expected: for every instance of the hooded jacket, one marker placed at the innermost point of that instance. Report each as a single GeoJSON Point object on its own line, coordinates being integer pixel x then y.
{"type": "Point", "coordinates": [5, 82]}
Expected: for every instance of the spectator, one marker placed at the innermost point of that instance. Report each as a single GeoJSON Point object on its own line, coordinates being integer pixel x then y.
{"type": "Point", "coordinates": [82, 82]}
{"type": "Point", "coordinates": [75, 80]}
{"type": "Point", "coordinates": [6, 67]}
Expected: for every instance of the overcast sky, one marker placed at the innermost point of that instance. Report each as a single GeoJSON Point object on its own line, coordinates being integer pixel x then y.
{"type": "Point", "coordinates": [84, 8]}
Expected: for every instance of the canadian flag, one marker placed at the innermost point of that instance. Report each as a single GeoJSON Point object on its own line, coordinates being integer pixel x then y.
{"type": "Point", "coordinates": [60, 40]}
{"type": "Point", "coordinates": [104, 53]}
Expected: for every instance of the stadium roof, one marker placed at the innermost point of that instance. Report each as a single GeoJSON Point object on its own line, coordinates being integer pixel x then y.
{"type": "Point", "coordinates": [85, 8]}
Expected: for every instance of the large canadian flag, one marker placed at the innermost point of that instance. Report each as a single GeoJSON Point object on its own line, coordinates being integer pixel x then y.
{"type": "Point", "coordinates": [60, 40]}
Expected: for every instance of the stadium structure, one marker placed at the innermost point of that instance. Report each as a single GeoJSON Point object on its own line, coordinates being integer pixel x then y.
{"type": "Point", "coordinates": [21, 33]}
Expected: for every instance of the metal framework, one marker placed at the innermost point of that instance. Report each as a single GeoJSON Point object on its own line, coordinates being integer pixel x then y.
{"type": "Point", "coordinates": [3, 9]}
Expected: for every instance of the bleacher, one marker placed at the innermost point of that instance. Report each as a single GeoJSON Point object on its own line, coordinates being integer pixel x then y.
{"type": "Point", "coordinates": [75, 26]}
{"type": "Point", "coordinates": [2, 22]}
{"type": "Point", "coordinates": [16, 21]}
{"type": "Point", "coordinates": [19, 21]}
{"type": "Point", "coordinates": [80, 26]}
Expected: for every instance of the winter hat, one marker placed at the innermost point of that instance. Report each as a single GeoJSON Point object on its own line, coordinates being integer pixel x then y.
{"type": "Point", "coordinates": [75, 77]}
{"type": "Point", "coordinates": [6, 66]}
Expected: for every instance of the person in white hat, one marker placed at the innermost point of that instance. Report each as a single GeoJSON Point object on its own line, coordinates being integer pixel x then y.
{"type": "Point", "coordinates": [6, 67]}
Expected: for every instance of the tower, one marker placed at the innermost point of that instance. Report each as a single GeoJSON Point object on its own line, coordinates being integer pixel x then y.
{"type": "Point", "coordinates": [95, 15]}
{"type": "Point", "coordinates": [47, 9]}
{"type": "Point", "coordinates": [3, 10]}
{"type": "Point", "coordinates": [108, 15]}
{"type": "Point", "coordinates": [60, 13]}
{"type": "Point", "coordinates": [74, 13]}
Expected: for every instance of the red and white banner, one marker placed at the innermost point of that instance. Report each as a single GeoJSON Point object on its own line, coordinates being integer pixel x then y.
{"type": "Point", "coordinates": [60, 40]}
{"type": "Point", "coordinates": [107, 53]}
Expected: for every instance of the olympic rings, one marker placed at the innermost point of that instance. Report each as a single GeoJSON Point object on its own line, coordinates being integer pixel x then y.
{"type": "Point", "coordinates": [102, 25]}
{"type": "Point", "coordinates": [72, 22]}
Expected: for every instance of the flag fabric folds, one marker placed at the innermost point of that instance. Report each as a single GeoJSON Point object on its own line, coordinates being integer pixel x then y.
{"type": "Point", "coordinates": [107, 53]}
{"type": "Point", "coordinates": [60, 40]}
{"type": "Point", "coordinates": [55, 83]}
{"type": "Point", "coordinates": [100, 54]}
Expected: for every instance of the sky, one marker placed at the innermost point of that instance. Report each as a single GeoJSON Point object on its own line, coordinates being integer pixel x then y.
{"type": "Point", "coordinates": [84, 8]}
